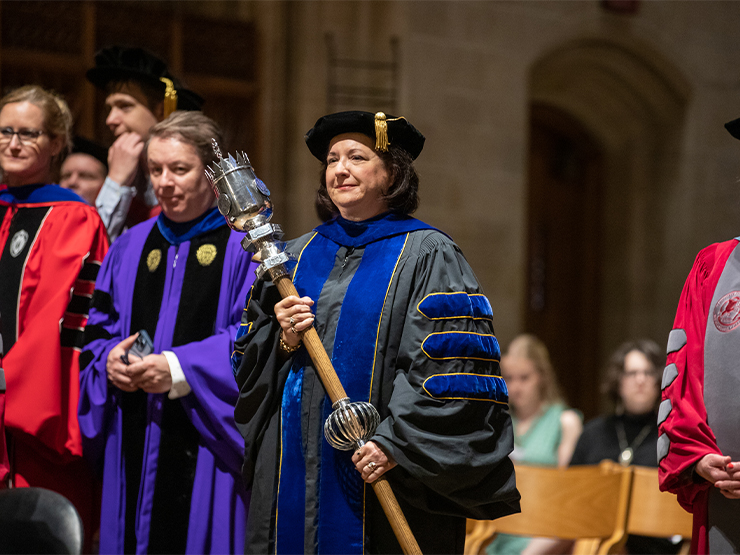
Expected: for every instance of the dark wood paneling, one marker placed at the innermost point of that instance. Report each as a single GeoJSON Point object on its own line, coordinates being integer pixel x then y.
{"type": "Point", "coordinates": [52, 44]}
{"type": "Point", "coordinates": [565, 174]}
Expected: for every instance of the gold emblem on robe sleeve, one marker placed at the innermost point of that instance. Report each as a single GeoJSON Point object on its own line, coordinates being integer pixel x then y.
{"type": "Point", "coordinates": [206, 254]}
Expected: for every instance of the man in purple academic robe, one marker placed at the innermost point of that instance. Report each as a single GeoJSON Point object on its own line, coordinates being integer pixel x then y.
{"type": "Point", "coordinates": [171, 462]}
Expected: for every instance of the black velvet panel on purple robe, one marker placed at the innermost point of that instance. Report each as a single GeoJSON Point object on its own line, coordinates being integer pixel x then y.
{"type": "Point", "coordinates": [171, 467]}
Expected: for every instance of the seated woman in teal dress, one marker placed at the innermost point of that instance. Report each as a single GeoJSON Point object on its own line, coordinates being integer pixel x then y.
{"type": "Point", "coordinates": [545, 429]}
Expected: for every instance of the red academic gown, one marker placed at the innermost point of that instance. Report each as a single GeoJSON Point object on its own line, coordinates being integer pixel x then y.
{"type": "Point", "coordinates": [51, 246]}
{"type": "Point", "coordinates": [685, 433]}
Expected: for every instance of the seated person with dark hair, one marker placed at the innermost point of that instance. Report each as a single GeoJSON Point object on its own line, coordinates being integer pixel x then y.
{"type": "Point", "coordinates": [630, 434]}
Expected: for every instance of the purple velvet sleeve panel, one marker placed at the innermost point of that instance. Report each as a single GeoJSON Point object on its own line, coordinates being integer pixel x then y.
{"type": "Point", "coordinates": [219, 502]}
{"type": "Point", "coordinates": [109, 327]}
{"type": "Point", "coordinates": [207, 368]}
{"type": "Point", "coordinates": [216, 527]}
{"type": "Point", "coordinates": [94, 410]}
{"type": "Point", "coordinates": [210, 404]}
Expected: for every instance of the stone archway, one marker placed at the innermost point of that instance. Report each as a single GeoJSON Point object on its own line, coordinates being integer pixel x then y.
{"type": "Point", "coordinates": [632, 102]}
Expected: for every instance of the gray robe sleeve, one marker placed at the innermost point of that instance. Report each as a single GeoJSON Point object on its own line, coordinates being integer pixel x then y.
{"type": "Point", "coordinates": [112, 203]}
{"type": "Point", "coordinates": [452, 453]}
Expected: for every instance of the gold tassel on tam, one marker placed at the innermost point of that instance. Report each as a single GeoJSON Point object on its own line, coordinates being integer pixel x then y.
{"type": "Point", "coordinates": [170, 97]}
{"type": "Point", "coordinates": [381, 132]}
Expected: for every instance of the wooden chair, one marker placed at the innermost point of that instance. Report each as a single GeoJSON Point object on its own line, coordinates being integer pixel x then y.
{"type": "Point", "coordinates": [587, 504]}
{"type": "Point", "coordinates": [655, 513]}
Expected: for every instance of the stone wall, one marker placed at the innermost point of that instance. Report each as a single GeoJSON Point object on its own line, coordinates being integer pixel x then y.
{"type": "Point", "coordinates": [654, 88]}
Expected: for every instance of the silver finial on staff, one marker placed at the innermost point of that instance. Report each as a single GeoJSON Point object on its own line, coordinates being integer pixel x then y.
{"type": "Point", "coordinates": [216, 149]}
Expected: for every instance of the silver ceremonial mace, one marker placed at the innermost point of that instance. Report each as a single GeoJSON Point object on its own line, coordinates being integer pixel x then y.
{"type": "Point", "coordinates": [245, 203]}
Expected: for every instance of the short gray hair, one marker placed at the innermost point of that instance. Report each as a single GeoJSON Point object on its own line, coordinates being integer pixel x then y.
{"type": "Point", "coordinates": [193, 128]}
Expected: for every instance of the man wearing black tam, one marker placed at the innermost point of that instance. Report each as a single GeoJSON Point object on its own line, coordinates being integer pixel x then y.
{"type": "Point", "coordinates": [141, 92]}
{"type": "Point", "coordinates": [408, 329]}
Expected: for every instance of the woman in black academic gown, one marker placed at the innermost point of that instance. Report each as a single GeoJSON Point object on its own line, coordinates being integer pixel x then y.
{"type": "Point", "coordinates": [408, 329]}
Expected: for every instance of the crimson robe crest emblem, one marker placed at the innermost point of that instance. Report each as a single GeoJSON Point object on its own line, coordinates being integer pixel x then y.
{"type": "Point", "coordinates": [727, 312]}
{"type": "Point", "coordinates": [17, 243]}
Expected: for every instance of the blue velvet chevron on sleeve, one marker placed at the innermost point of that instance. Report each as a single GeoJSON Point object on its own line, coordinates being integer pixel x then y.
{"type": "Point", "coordinates": [439, 306]}
{"type": "Point", "coordinates": [461, 344]}
{"type": "Point", "coordinates": [480, 387]}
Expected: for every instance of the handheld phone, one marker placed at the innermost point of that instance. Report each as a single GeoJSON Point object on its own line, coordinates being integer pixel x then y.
{"type": "Point", "coordinates": [142, 346]}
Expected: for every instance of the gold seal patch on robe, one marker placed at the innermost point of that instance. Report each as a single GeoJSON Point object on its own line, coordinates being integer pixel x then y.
{"type": "Point", "coordinates": [153, 259]}
{"type": "Point", "coordinates": [206, 254]}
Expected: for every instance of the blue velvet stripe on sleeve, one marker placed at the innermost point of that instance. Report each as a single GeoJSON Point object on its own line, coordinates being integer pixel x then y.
{"type": "Point", "coordinates": [478, 387]}
{"type": "Point", "coordinates": [440, 306]}
{"type": "Point", "coordinates": [461, 344]}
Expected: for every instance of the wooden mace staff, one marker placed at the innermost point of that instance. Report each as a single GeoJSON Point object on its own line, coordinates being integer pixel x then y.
{"type": "Point", "coordinates": [245, 203]}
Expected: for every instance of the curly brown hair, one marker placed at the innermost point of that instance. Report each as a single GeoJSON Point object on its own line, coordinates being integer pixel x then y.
{"type": "Point", "coordinates": [194, 128]}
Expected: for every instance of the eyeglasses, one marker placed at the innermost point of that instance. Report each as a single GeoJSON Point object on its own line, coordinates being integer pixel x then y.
{"type": "Point", "coordinates": [24, 135]}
